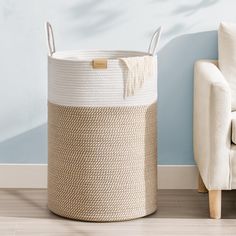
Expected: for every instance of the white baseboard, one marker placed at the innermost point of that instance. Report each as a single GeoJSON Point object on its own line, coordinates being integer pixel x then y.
{"type": "Point", "coordinates": [35, 176]}
{"type": "Point", "coordinates": [23, 175]}
{"type": "Point", "coordinates": [177, 177]}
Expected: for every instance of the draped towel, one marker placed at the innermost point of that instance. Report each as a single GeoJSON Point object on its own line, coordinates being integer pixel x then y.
{"type": "Point", "coordinates": [138, 70]}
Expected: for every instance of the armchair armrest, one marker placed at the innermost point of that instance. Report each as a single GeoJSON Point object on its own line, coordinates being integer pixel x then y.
{"type": "Point", "coordinates": [212, 125]}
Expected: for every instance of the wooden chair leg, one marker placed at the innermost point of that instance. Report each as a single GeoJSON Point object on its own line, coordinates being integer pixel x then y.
{"type": "Point", "coordinates": [201, 186]}
{"type": "Point", "coordinates": [215, 203]}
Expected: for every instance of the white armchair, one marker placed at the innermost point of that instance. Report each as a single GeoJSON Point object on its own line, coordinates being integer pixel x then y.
{"type": "Point", "coordinates": [215, 119]}
{"type": "Point", "coordinates": [214, 143]}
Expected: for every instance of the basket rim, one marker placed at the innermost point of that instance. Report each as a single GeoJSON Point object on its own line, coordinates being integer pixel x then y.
{"type": "Point", "coordinates": [64, 55]}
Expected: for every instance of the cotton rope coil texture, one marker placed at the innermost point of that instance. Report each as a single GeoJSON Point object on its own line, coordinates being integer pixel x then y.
{"type": "Point", "coordinates": [102, 162]}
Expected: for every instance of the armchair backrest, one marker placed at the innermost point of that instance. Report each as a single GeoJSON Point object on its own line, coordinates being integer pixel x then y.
{"type": "Point", "coordinates": [227, 56]}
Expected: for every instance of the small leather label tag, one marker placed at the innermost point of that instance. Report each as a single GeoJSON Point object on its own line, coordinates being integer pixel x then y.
{"type": "Point", "coordinates": [99, 63]}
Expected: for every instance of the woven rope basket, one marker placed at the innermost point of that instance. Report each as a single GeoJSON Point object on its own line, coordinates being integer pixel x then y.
{"type": "Point", "coordinates": [102, 151]}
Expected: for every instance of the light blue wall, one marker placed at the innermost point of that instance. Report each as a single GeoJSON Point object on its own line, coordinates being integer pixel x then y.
{"type": "Point", "coordinates": [189, 34]}
{"type": "Point", "coordinates": [176, 62]}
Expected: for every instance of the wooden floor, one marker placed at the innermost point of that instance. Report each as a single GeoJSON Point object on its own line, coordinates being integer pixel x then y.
{"type": "Point", "coordinates": [181, 212]}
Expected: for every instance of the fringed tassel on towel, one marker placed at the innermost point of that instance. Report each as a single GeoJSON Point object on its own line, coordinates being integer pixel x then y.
{"type": "Point", "coordinates": [138, 70]}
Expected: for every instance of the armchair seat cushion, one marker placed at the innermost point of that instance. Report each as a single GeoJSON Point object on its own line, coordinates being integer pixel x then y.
{"type": "Point", "coordinates": [233, 125]}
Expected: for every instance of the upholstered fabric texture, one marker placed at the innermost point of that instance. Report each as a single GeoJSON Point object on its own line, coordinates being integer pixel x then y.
{"type": "Point", "coordinates": [233, 125]}
{"type": "Point", "coordinates": [227, 56]}
{"type": "Point", "coordinates": [212, 126]}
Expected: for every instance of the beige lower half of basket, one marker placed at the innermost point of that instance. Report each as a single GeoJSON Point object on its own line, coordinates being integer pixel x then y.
{"type": "Point", "coordinates": [102, 162]}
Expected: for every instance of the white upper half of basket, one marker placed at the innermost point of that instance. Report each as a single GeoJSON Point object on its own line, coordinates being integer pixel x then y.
{"type": "Point", "coordinates": [72, 81]}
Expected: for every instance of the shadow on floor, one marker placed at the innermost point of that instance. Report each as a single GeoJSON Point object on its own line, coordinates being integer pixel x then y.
{"type": "Point", "coordinates": [190, 204]}
{"type": "Point", "coordinates": [24, 203]}
{"type": "Point", "coordinates": [182, 204]}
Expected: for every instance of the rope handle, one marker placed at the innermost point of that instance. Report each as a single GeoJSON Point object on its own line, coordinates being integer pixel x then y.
{"type": "Point", "coordinates": [50, 38]}
{"type": "Point", "coordinates": [152, 49]}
